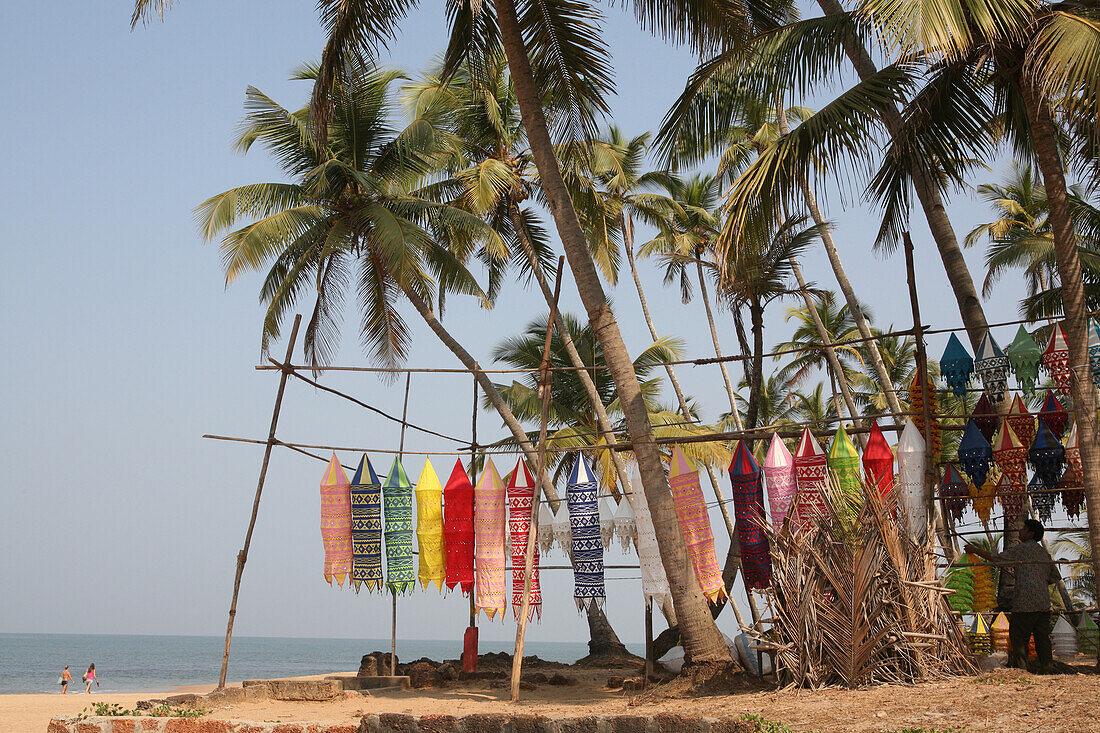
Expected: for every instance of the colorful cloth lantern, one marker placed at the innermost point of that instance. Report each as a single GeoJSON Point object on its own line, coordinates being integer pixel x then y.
{"type": "Point", "coordinates": [748, 504]}
{"type": "Point", "coordinates": [691, 512]}
{"type": "Point", "coordinates": [1024, 357]}
{"type": "Point", "coordinates": [954, 492]}
{"type": "Point", "coordinates": [960, 581]}
{"type": "Point", "coordinates": [1048, 458]}
{"type": "Point", "coordinates": [1064, 639]}
{"type": "Point", "coordinates": [654, 581]}
{"type": "Point", "coordinates": [366, 528]}
{"type": "Point", "coordinates": [779, 475]}
{"type": "Point", "coordinates": [546, 526]}
{"type": "Point", "coordinates": [626, 524]}
{"type": "Point", "coordinates": [490, 522]}
{"type": "Point", "coordinates": [1088, 635]}
{"type": "Point", "coordinates": [1072, 492]}
{"type": "Point", "coordinates": [521, 495]}
{"type": "Point", "coordinates": [975, 453]}
{"type": "Point", "coordinates": [397, 502]}
{"type": "Point", "coordinates": [429, 528]}
{"type": "Point", "coordinates": [1010, 456]}
{"type": "Point", "coordinates": [811, 470]}
{"type": "Point", "coordinates": [956, 366]}
{"type": "Point", "coordinates": [986, 418]}
{"type": "Point", "coordinates": [978, 637]}
{"type": "Point", "coordinates": [912, 460]}
{"type": "Point", "coordinates": [1073, 450]}
{"type": "Point", "coordinates": [985, 583]}
{"type": "Point", "coordinates": [992, 366]}
{"type": "Point", "coordinates": [587, 547]}
{"type": "Point", "coordinates": [1022, 421]}
{"type": "Point", "coordinates": [921, 393]}
{"type": "Point", "coordinates": [1054, 416]}
{"type": "Point", "coordinates": [336, 522]}
{"type": "Point", "coordinates": [458, 529]}
{"type": "Point", "coordinates": [999, 631]}
{"type": "Point", "coordinates": [843, 461]}
{"type": "Point", "coordinates": [1094, 350]}
{"type": "Point", "coordinates": [983, 497]}
{"type": "Point", "coordinates": [878, 461]}
{"type": "Point", "coordinates": [607, 522]}
{"type": "Point", "coordinates": [1056, 359]}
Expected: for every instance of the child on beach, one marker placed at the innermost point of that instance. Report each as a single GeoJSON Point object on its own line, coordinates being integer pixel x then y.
{"type": "Point", "coordinates": [89, 678]}
{"type": "Point", "coordinates": [66, 678]}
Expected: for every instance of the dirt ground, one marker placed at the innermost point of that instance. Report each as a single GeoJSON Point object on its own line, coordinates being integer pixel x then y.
{"type": "Point", "coordinates": [1004, 700]}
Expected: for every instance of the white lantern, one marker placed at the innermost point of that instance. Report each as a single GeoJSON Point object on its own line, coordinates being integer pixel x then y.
{"type": "Point", "coordinates": [625, 523]}
{"type": "Point", "coordinates": [563, 534]}
{"type": "Point", "coordinates": [1064, 639]}
{"type": "Point", "coordinates": [546, 527]}
{"type": "Point", "coordinates": [607, 522]}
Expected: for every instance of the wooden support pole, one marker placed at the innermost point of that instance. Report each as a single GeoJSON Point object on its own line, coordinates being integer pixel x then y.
{"type": "Point", "coordinates": [470, 665]}
{"type": "Point", "coordinates": [400, 455]}
{"type": "Point", "coordinates": [242, 556]}
{"type": "Point", "coordinates": [649, 641]}
{"type": "Point", "coordinates": [532, 528]}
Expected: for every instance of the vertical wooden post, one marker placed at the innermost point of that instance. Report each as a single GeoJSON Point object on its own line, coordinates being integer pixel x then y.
{"type": "Point", "coordinates": [400, 455]}
{"type": "Point", "coordinates": [532, 528]}
{"type": "Point", "coordinates": [242, 556]}
{"type": "Point", "coordinates": [648, 642]}
{"type": "Point", "coordinates": [470, 665]}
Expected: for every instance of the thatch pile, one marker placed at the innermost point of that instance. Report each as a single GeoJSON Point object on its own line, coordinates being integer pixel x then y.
{"type": "Point", "coordinates": [856, 601]}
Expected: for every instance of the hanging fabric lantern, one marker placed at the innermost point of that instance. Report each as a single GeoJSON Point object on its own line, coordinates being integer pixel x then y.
{"type": "Point", "coordinates": [626, 525]}
{"type": "Point", "coordinates": [1022, 421]}
{"type": "Point", "coordinates": [779, 475]}
{"type": "Point", "coordinates": [1041, 500]}
{"type": "Point", "coordinates": [587, 549]}
{"type": "Point", "coordinates": [1054, 416]}
{"type": "Point", "coordinates": [975, 453]}
{"type": "Point", "coordinates": [843, 463]}
{"type": "Point", "coordinates": [397, 502]}
{"type": "Point", "coordinates": [429, 528]}
{"type": "Point", "coordinates": [956, 366]}
{"type": "Point", "coordinates": [1088, 635]}
{"type": "Point", "coordinates": [521, 494]}
{"type": "Point", "coordinates": [1073, 450]}
{"type": "Point", "coordinates": [607, 522]}
{"type": "Point", "coordinates": [986, 417]}
{"type": "Point", "coordinates": [1064, 639]}
{"type": "Point", "coordinates": [992, 366]}
{"type": "Point", "coordinates": [912, 460]}
{"type": "Point", "coordinates": [490, 520]}
{"type": "Point", "coordinates": [999, 631]}
{"type": "Point", "coordinates": [983, 497]}
{"type": "Point", "coordinates": [654, 581]}
{"type": "Point", "coordinates": [922, 392]}
{"type": "Point", "coordinates": [978, 637]}
{"type": "Point", "coordinates": [954, 492]}
{"type": "Point", "coordinates": [960, 581]}
{"type": "Point", "coordinates": [691, 512]}
{"type": "Point", "coordinates": [748, 503]}
{"type": "Point", "coordinates": [1073, 493]}
{"type": "Point", "coordinates": [1024, 356]}
{"type": "Point", "coordinates": [878, 462]}
{"type": "Point", "coordinates": [1094, 350]}
{"type": "Point", "coordinates": [563, 532]}
{"type": "Point", "coordinates": [1056, 359]}
{"type": "Point", "coordinates": [1010, 456]}
{"type": "Point", "coordinates": [458, 529]}
{"type": "Point", "coordinates": [546, 526]}
{"type": "Point", "coordinates": [811, 471]}
{"type": "Point", "coordinates": [336, 522]}
{"type": "Point", "coordinates": [985, 583]}
{"type": "Point", "coordinates": [366, 528]}
{"type": "Point", "coordinates": [1048, 458]}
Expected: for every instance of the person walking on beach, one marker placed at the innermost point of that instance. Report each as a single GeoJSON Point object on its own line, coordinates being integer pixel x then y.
{"type": "Point", "coordinates": [66, 678]}
{"type": "Point", "coordinates": [89, 678]}
{"type": "Point", "coordinates": [1035, 572]}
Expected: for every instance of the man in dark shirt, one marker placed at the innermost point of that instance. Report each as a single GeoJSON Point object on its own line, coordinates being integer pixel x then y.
{"type": "Point", "coordinates": [1035, 571]}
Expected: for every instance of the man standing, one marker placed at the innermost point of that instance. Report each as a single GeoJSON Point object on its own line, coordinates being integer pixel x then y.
{"type": "Point", "coordinates": [1035, 571]}
{"type": "Point", "coordinates": [66, 678]}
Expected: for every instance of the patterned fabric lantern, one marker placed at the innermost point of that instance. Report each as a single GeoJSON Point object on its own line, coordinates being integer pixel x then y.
{"type": "Point", "coordinates": [490, 520]}
{"type": "Point", "coordinates": [691, 513]}
{"type": "Point", "coordinates": [978, 638]}
{"type": "Point", "coordinates": [521, 494]}
{"type": "Point", "coordinates": [1073, 450]}
{"type": "Point", "coordinates": [983, 497]}
{"type": "Point", "coordinates": [1022, 421]}
{"type": "Point", "coordinates": [336, 522]}
{"type": "Point", "coordinates": [1010, 456]}
{"type": "Point", "coordinates": [366, 528]}
{"type": "Point", "coordinates": [960, 581]}
{"type": "Point", "coordinates": [397, 502]}
{"type": "Point", "coordinates": [607, 522]}
{"type": "Point", "coordinates": [1073, 494]}
{"type": "Point", "coordinates": [922, 392]}
{"type": "Point", "coordinates": [1056, 359]}
{"type": "Point", "coordinates": [1094, 350]}
{"type": "Point", "coordinates": [878, 461]}
{"type": "Point", "coordinates": [748, 503]}
{"type": "Point", "coordinates": [953, 492]}
{"type": "Point", "coordinates": [956, 366]}
{"type": "Point", "coordinates": [975, 453]}
{"type": "Point", "coordinates": [587, 549]}
{"type": "Point", "coordinates": [843, 463]}
{"type": "Point", "coordinates": [1054, 416]}
{"type": "Point", "coordinates": [779, 475]}
{"type": "Point", "coordinates": [458, 529]}
{"type": "Point", "coordinates": [654, 581]}
{"type": "Point", "coordinates": [811, 472]}
{"type": "Point", "coordinates": [992, 366]}
{"type": "Point", "coordinates": [626, 525]}
{"type": "Point", "coordinates": [546, 526]}
{"type": "Point", "coordinates": [1041, 500]}
{"type": "Point", "coordinates": [1048, 457]}
{"type": "Point", "coordinates": [1064, 639]}
{"type": "Point", "coordinates": [1088, 635]}
{"type": "Point", "coordinates": [986, 418]}
{"type": "Point", "coordinates": [985, 583]}
{"type": "Point", "coordinates": [999, 631]}
{"type": "Point", "coordinates": [911, 467]}
{"type": "Point", "coordinates": [429, 528]}
{"type": "Point", "coordinates": [1024, 356]}
{"type": "Point", "coordinates": [563, 531]}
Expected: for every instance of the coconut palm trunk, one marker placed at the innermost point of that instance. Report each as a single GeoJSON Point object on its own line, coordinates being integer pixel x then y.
{"type": "Point", "coordinates": [756, 318]}
{"type": "Point", "coordinates": [702, 641]}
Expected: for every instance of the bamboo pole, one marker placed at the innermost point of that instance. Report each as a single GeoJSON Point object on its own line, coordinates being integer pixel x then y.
{"type": "Point", "coordinates": [242, 556]}
{"type": "Point", "coordinates": [471, 664]}
{"type": "Point", "coordinates": [532, 527]}
{"type": "Point", "coordinates": [400, 455]}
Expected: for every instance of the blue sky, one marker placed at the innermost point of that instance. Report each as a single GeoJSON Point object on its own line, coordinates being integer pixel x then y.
{"type": "Point", "coordinates": [123, 347]}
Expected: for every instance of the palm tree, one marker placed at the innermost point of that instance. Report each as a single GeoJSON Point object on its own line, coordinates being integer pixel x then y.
{"type": "Point", "coordinates": [1081, 574]}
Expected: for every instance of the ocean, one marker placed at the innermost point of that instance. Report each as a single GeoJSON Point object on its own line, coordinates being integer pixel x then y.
{"type": "Point", "coordinates": [33, 662]}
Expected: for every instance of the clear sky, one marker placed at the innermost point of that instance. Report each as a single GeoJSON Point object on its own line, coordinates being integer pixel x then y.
{"type": "Point", "coordinates": [122, 346]}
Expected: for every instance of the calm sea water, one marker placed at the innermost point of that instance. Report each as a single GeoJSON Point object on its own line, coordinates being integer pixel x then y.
{"type": "Point", "coordinates": [33, 662]}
